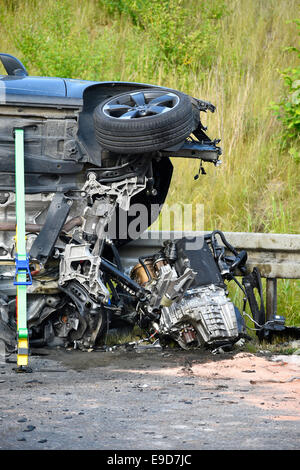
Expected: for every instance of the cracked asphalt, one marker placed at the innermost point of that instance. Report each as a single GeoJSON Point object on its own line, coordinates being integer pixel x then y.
{"type": "Point", "coordinates": [150, 399]}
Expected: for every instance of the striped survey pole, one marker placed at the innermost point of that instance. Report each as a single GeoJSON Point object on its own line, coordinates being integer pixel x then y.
{"type": "Point", "coordinates": [22, 274]}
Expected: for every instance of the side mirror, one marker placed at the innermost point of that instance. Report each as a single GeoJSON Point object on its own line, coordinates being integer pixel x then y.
{"type": "Point", "coordinates": [12, 65]}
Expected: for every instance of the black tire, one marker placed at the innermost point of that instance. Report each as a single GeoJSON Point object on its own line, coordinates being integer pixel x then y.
{"type": "Point", "coordinates": [143, 120]}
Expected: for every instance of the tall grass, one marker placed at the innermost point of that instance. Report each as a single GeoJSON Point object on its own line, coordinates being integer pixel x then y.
{"type": "Point", "coordinates": [228, 52]}
{"type": "Point", "coordinates": [257, 188]}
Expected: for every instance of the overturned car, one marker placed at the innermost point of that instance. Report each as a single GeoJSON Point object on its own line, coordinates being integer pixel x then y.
{"type": "Point", "coordinates": [92, 150]}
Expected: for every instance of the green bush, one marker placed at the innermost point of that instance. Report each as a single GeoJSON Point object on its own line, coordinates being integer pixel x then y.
{"type": "Point", "coordinates": [51, 43]}
{"type": "Point", "coordinates": [288, 110]}
{"type": "Point", "coordinates": [54, 41]}
{"type": "Point", "coordinates": [176, 38]}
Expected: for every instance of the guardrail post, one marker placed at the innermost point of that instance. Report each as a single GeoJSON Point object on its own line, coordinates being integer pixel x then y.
{"type": "Point", "coordinates": [271, 297]}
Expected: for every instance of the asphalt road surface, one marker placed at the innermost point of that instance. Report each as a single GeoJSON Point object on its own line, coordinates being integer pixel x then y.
{"type": "Point", "coordinates": [150, 399]}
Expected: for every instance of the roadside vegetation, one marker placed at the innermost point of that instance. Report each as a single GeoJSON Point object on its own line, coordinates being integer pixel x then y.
{"type": "Point", "coordinates": [241, 55]}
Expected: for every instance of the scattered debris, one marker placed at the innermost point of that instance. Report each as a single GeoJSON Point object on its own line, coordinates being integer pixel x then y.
{"type": "Point", "coordinates": [29, 428]}
{"type": "Point", "coordinates": [254, 382]}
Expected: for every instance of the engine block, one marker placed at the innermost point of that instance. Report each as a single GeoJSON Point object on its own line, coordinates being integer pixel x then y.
{"type": "Point", "coordinates": [205, 315]}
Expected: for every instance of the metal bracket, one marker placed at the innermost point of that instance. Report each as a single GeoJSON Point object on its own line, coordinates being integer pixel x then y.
{"type": "Point", "coordinates": [56, 217]}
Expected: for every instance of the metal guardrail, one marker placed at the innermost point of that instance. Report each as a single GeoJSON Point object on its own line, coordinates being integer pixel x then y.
{"type": "Point", "coordinates": [277, 256]}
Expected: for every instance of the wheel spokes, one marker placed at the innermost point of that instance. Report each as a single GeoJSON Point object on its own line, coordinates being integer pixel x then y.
{"type": "Point", "coordinates": [139, 104]}
{"type": "Point", "coordinates": [158, 109]}
{"type": "Point", "coordinates": [116, 109]}
{"type": "Point", "coordinates": [129, 114]}
{"type": "Point", "coordinates": [138, 98]}
{"type": "Point", "coordinates": [112, 107]}
{"type": "Point", "coordinates": [161, 100]}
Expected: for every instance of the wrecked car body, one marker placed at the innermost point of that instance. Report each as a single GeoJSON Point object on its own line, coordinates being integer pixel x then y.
{"type": "Point", "coordinates": [92, 151]}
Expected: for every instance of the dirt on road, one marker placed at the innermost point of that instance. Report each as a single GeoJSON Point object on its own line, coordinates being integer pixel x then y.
{"type": "Point", "coordinates": [150, 399]}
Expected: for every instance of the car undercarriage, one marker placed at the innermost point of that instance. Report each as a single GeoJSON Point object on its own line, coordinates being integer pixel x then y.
{"type": "Point", "coordinates": [93, 151]}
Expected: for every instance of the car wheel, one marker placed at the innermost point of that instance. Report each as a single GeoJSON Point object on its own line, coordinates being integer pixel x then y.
{"type": "Point", "coordinates": [143, 120]}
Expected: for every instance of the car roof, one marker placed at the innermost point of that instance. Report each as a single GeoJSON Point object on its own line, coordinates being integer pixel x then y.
{"type": "Point", "coordinates": [41, 90]}
{"type": "Point", "coordinates": [38, 86]}
{"type": "Point", "coordinates": [18, 88]}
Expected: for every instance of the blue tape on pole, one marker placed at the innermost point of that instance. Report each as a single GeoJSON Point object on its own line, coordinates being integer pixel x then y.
{"type": "Point", "coordinates": [21, 266]}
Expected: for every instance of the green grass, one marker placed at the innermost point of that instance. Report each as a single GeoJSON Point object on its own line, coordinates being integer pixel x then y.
{"type": "Point", "coordinates": [255, 347]}
{"type": "Point", "coordinates": [228, 52]}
